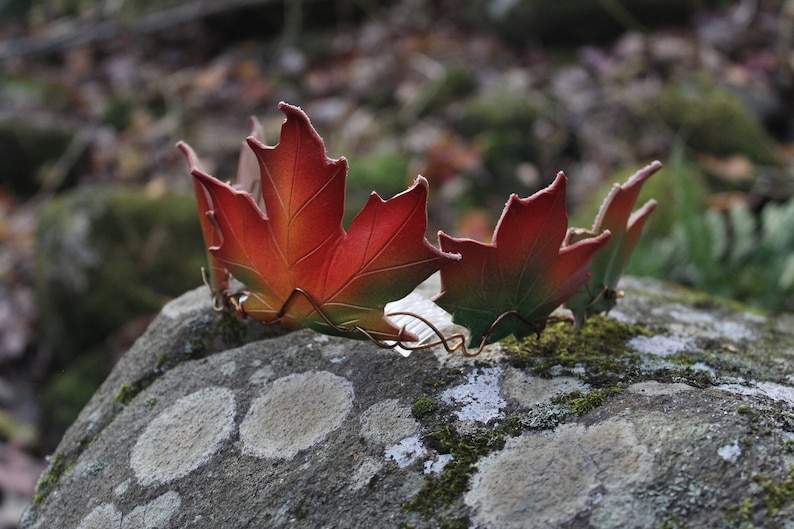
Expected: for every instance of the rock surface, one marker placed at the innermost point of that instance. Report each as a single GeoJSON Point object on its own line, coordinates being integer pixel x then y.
{"type": "Point", "coordinates": [676, 411]}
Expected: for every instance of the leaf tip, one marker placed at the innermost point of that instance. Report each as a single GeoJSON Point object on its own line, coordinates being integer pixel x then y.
{"type": "Point", "coordinates": [189, 153]}
{"type": "Point", "coordinates": [256, 129]}
{"type": "Point", "coordinates": [293, 111]}
{"type": "Point", "coordinates": [421, 181]}
{"type": "Point", "coordinates": [255, 143]}
{"type": "Point", "coordinates": [643, 174]}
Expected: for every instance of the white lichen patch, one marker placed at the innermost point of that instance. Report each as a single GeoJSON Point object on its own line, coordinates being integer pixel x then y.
{"type": "Point", "coordinates": [298, 411]}
{"type": "Point", "coordinates": [703, 324]}
{"type": "Point", "coordinates": [662, 345]}
{"type": "Point", "coordinates": [262, 375]}
{"type": "Point", "coordinates": [229, 368]}
{"type": "Point", "coordinates": [102, 517]}
{"type": "Point", "coordinates": [540, 480]}
{"type": "Point", "coordinates": [480, 396]}
{"type": "Point", "coordinates": [435, 466]}
{"type": "Point", "coordinates": [406, 451]}
{"type": "Point", "coordinates": [366, 469]}
{"type": "Point", "coordinates": [652, 388]}
{"type": "Point", "coordinates": [184, 436]}
{"type": "Point", "coordinates": [730, 452]}
{"type": "Point", "coordinates": [529, 390]}
{"type": "Point", "coordinates": [155, 514]}
{"type": "Point", "coordinates": [121, 488]}
{"type": "Point", "coordinates": [767, 389]}
{"type": "Point", "coordinates": [702, 366]}
{"type": "Point", "coordinates": [387, 422]}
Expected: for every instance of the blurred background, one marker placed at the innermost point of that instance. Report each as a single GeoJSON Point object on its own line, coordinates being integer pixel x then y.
{"type": "Point", "coordinates": [98, 226]}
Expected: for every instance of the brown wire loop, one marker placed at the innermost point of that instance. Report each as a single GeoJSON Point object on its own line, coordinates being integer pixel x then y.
{"type": "Point", "coordinates": [452, 343]}
{"type": "Point", "coordinates": [220, 300]}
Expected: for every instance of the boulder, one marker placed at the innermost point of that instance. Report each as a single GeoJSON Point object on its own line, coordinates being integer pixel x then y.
{"type": "Point", "coordinates": [674, 411]}
{"type": "Point", "coordinates": [106, 262]}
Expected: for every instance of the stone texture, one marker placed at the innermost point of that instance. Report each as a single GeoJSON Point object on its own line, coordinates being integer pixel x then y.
{"type": "Point", "coordinates": [305, 430]}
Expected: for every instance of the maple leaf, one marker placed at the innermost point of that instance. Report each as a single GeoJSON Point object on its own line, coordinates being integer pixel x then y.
{"type": "Point", "coordinates": [295, 257]}
{"type": "Point", "coordinates": [247, 180]}
{"type": "Point", "coordinates": [512, 285]}
{"type": "Point", "coordinates": [600, 293]}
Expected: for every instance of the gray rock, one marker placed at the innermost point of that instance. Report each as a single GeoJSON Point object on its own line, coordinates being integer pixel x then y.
{"type": "Point", "coordinates": [675, 411]}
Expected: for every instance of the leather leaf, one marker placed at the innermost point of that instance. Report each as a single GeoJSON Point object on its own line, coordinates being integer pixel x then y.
{"type": "Point", "coordinates": [524, 272]}
{"type": "Point", "coordinates": [600, 294]}
{"type": "Point", "coordinates": [297, 241]}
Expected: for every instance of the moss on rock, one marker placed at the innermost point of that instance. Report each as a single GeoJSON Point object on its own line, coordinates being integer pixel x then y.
{"type": "Point", "coordinates": [712, 119]}
{"type": "Point", "coordinates": [105, 258]}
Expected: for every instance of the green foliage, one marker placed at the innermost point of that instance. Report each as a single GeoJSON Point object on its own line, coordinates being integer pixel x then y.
{"type": "Point", "coordinates": [501, 125]}
{"type": "Point", "coordinates": [105, 258]}
{"type": "Point", "coordinates": [67, 390]}
{"type": "Point", "coordinates": [387, 172]}
{"type": "Point", "coordinates": [714, 120]}
{"type": "Point", "coordinates": [736, 254]}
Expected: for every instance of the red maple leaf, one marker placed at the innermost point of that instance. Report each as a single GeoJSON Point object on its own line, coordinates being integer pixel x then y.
{"type": "Point", "coordinates": [600, 293]}
{"type": "Point", "coordinates": [294, 256]}
{"type": "Point", "coordinates": [512, 285]}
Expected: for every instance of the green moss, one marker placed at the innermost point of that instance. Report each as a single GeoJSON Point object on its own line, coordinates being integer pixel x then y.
{"type": "Point", "coordinates": [231, 329]}
{"type": "Point", "coordinates": [126, 393]}
{"type": "Point", "coordinates": [58, 467]}
{"type": "Point", "coordinates": [776, 495]}
{"type": "Point", "coordinates": [713, 119]}
{"type": "Point", "coordinates": [456, 523]}
{"type": "Point", "coordinates": [447, 487]}
{"type": "Point", "coordinates": [674, 522]}
{"type": "Point", "coordinates": [741, 512]}
{"type": "Point", "coordinates": [300, 512]}
{"type": "Point", "coordinates": [423, 407]}
{"type": "Point", "coordinates": [449, 376]}
{"type": "Point", "coordinates": [583, 403]}
{"type": "Point", "coordinates": [599, 348]}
